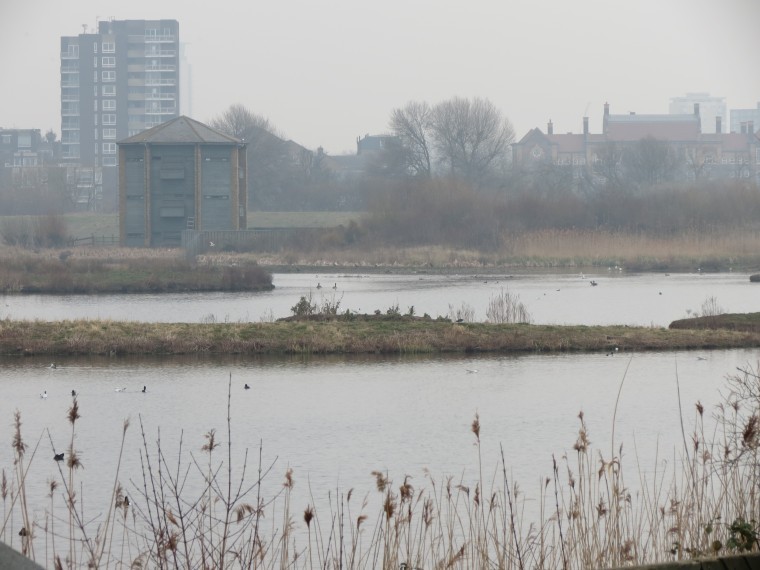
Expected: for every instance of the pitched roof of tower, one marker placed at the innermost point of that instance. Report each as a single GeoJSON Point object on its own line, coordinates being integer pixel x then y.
{"type": "Point", "coordinates": [181, 129]}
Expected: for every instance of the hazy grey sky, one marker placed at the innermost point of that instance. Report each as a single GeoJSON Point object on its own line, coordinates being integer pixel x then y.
{"type": "Point", "coordinates": [325, 72]}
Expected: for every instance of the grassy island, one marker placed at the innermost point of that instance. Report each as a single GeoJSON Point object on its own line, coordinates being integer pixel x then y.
{"type": "Point", "coordinates": [355, 334]}
{"type": "Point", "coordinates": [123, 271]}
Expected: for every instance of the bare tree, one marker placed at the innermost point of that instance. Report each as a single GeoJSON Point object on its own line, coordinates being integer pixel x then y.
{"type": "Point", "coordinates": [239, 122]}
{"type": "Point", "coordinates": [607, 164]}
{"type": "Point", "coordinates": [698, 163]}
{"type": "Point", "coordinates": [277, 170]}
{"type": "Point", "coordinates": [412, 124]}
{"type": "Point", "coordinates": [651, 162]}
{"type": "Point", "coordinates": [472, 137]}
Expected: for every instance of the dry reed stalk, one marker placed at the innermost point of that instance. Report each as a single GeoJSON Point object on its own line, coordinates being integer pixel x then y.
{"type": "Point", "coordinates": [596, 519]}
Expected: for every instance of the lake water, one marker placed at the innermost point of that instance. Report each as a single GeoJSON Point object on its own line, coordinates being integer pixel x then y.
{"type": "Point", "coordinates": [335, 420]}
{"type": "Point", "coordinates": [550, 298]}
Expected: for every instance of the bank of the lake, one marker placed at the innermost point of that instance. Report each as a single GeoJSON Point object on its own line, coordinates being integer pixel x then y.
{"type": "Point", "coordinates": [355, 335]}
{"type": "Point", "coordinates": [123, 271]}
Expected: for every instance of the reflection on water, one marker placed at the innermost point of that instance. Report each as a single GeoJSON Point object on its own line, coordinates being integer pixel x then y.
{"type": "Point", "coordinates": [560, 298]}
{"type": "Point", "coordinates": [335, 420]}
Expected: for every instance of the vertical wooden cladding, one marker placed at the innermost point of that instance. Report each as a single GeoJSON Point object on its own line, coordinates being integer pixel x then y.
{"type": "Point", "coordinates": [234, 190]}
{"type": "Point", "coordinates": [134, 194]}
{"type": "Point", "coordinates": [172, 192]}
{"type": "Point", "coordinates": [122, 197]}
{"type": "Point", "coordinates": [218, 187]}
{"type": "Point", "coordinates": [242, 187]}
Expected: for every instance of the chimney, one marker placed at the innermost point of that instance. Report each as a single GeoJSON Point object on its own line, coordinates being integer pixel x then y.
{"type": "Point", "coordinates": [585, 125]}
{"type": "Point", "coordinates": [718, 124]}
{"type": "Point", "coordinates": [606, 109]}
{"type": "Point", "coordinates": [550, 128]}
{"type": "Point", "coordinates": [696, 109]}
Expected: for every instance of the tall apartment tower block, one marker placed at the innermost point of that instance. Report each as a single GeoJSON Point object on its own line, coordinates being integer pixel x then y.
{"type": "Point", "coordinates": [115, 83]}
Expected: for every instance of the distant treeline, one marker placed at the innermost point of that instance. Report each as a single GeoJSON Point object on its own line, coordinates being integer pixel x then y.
{"type": "Point", "coordinates": [450, 213]}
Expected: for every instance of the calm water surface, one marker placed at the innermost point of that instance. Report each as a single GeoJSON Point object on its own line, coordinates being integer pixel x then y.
{"type": "Point", "coordinates": [334, 421]}
{"type": "Point", "coordinates": [562, 298]}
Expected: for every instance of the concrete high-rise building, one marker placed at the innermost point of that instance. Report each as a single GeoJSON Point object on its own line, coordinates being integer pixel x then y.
{"type": "Point", "coordinates": [115, 83]}
{"type": "Point", "coordinates": [709, 109]}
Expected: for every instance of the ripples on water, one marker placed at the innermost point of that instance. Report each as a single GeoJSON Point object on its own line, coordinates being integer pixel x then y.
{"type": "Point", "coordinates": [335, 420]}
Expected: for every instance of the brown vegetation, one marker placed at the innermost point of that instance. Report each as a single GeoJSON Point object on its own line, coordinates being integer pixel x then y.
{"type": "Point", "coordinates": [349, 334]}
{"type": "Point", "coordinates": [743, 322]}
{"type": "Point", "coordinates": [34, 231]}
{"type": "Point", "coordinates": [598, 508]}
{"type": "Point", "coordinates": [122, 271]}
{"type": "Point", "coordinates": [680, 220]}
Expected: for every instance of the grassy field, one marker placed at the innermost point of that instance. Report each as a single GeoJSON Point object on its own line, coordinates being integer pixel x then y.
{"type": "Point", "coordinates": [302, 219]}
{"type": "Point", "coordinates": [83, 224]}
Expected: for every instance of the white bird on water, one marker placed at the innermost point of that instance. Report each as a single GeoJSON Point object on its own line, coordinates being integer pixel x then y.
{"type": "Point", "coordinates": [44, 395]}
{"type": "Point", "coordinates": [120, 390]}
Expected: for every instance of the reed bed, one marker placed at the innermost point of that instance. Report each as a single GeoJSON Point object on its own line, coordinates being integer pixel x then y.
{"type": "Point", "coordinates": [212, 506]}
{"type": "Point", "coordinates": [718, 250]}
{"type": "Point", "coordinates": [122, 271]}
{"type": "Point", "coordinates": [689, 250]}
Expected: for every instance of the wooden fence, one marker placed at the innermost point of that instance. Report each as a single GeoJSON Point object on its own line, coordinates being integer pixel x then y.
{"type": "Point", "coordinates": [196, 242]}
{"type": "Point", "coordinates": [93, 240]}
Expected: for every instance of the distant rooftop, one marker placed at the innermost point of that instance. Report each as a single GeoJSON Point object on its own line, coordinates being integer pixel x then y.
{"type": "Point", "coordinates": [633, 127]}
{"type": "Point", "coordinates": [182, 129]}
{"type": "Point", "coordinates": [636, 118]}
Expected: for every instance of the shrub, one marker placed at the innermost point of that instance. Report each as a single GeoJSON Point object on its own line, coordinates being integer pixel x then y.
{"type": "Point", "coordinates": [711, 307]}
{"type": "Point", "coordinates": [507, 308]}
{"type": "Point", "coordinates": [304, 307]}
{"type": "Point", "coordinates": [465, 313]}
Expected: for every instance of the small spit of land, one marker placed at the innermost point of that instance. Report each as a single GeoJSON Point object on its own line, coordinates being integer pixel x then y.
{"type": "Point", "coordinates": [367, 334]}
{"type": "Point", "coordinates": [119, 270]}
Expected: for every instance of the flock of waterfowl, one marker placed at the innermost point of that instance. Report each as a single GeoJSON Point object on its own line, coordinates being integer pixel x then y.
{"type": "Point", "coordinates": [53, 365]}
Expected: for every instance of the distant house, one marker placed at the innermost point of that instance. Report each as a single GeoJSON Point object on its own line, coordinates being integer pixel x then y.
{"type": "Point", "coordinates": [29, 161]}
{"type": "Point", "coordinates": [23, 147]}
{"type": "Point", "coordinates": [180, 175]}
{"type": "Point", "coordinates": [715, 155]}
{"type": "Point", "coordinates": [371, 157]}
{"type": "Point", "coordinates": [374, 143]}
